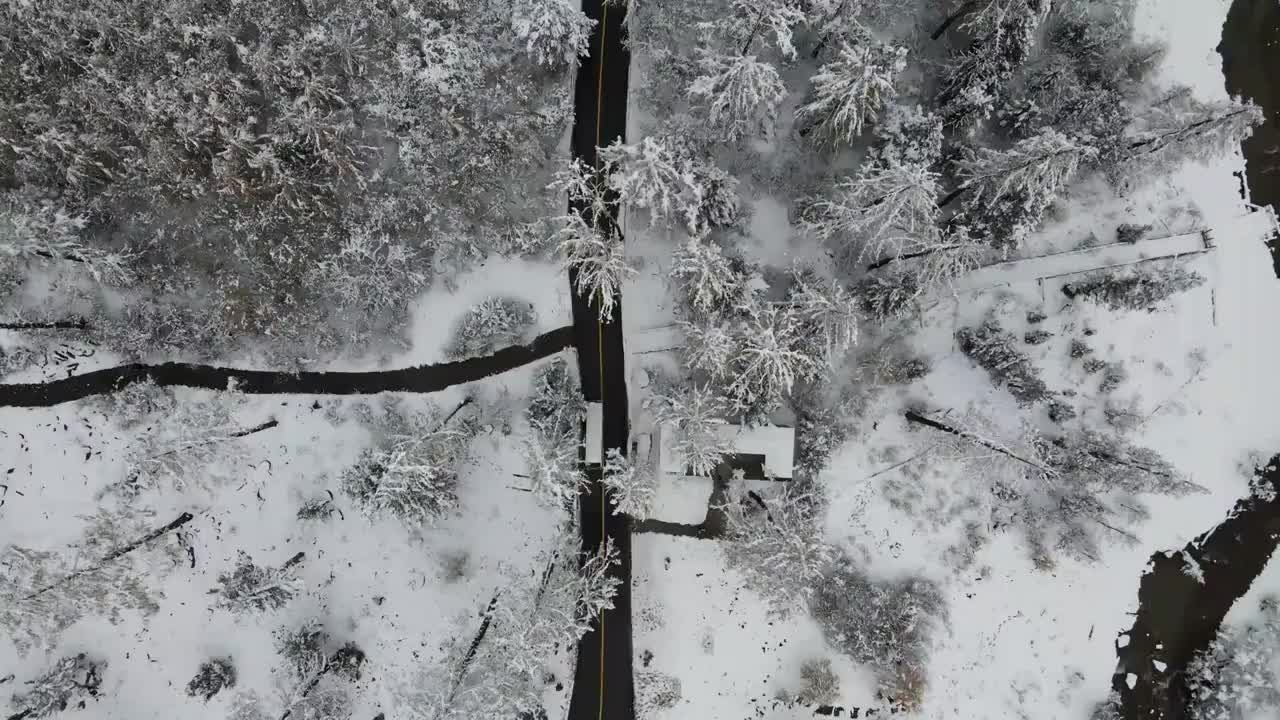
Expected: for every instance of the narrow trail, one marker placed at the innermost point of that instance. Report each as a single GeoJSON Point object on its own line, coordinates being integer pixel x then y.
{"type": "Point", "coordinates": [418, 379]}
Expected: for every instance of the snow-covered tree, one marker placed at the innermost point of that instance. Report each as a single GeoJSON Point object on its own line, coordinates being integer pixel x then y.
{"type": "Point", "coordinates": [493, 323]}
{"type": "Point", "coordinates": [196, 442]}
{"type": "Point", "coordinates": [767, 20]}
{"type": "Point", "coordinates": [316, 683]}
{"type": "Point", "coordinates": [707, 277]}
{"type": "Point", "coordinates": [552, 464]}
{"type": "Point", "coordinates": [213, 676]}
{"type": "Point", "coordinates": [776, 542]}
{"type": "Point", "coordinates": [1009, 190]}
{"type": "Point", "coordinates": [654, 175]}
{"type": "Point", "coordinates": [553, 32]}
{"type": "Point", "coordinates": [708, 345]}
{"type": "Point", "coordinates": [526, 627]}
{"type": "Point", "coordinates": [1004, 33]}
{"type": "Point", "coordinates": [1236, 675]}
{"type": "Point", "coordinates": [72, 679]}
{"type": "Point", "coordinates": [101, 575]}
{"type": "Point", "coordinates": [412, 475]}
{"type": "Point", "coordinates": [599, 261]}
{"type": "Point", "coordinates": [1061, 491]}
{"type": "Point", "coordinates": [555, 402]}
{"type": "Point", "coordinates": [249, 587]}
{"type": "Point", "coordinates": [372, 269]}
{"type": "Point", "coordinates": [693, 414]}
{"type": "Point", "coordinates": [740, 94]}
{"type": "Point", "coordinates": [888, 295]}
{"type": "Point", "coordinates": [772, 356]}
{"type": "Point", "coordinates": [1181, 127]}
{"type": "Point", "coordinates": [999, 353]}
{"type": "Point", "coordinates": [886, 626]}
{"type": "Point", "coordinates": [886, 210]}
{"type": "Point", "coordinates": [907, 135]}
{"type": "Point", "coordinates": [632, 483]}
{"type": "Point", "coordinates": [828, 310]}
{"type": "Point", "coordinates": [43, 231]}
{"type": "Point", "coordinates": [1139, 288]}
{"type": "Point", "coordinates": [850, 90]}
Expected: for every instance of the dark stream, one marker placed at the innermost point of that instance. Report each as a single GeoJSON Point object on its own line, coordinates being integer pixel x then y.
{"type": "Point", "coordinates": [1178, 613]}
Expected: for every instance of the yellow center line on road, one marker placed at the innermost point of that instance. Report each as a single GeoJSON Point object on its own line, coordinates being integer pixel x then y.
{"type": "Point", "coordinates": [604, 17]}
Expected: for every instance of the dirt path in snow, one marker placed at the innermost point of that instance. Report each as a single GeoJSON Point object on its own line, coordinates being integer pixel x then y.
{"type": "Point", "coordinates": [418, 379]}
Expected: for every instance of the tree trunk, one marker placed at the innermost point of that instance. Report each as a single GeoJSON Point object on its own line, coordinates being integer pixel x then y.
{"type": "Point", "coordinates": [959, 13]}
{"type": "Point", "coordinates": [919, 419]}
{"type": "Point", "coordinates": [951, 196]}
{"type": "Point", "coordinates": [80, 324]}
{"type": "Point", "coordinates": [181, 520]}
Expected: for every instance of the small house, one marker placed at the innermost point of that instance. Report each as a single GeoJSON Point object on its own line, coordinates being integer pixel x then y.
{"type": "Point", "coordinates": [760, 453]}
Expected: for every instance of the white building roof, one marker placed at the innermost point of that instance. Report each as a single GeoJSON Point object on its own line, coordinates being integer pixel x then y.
{"type": "Point", "coordinates": [776, 444]}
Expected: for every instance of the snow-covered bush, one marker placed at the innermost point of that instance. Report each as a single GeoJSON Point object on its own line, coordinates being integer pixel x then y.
{"type": "Point", "coordinates": [660, 175]}
{"type": "Point", "coordinates": [819, 684]}
{"type": "Point", "coordinates": [249, 587]}
{"type": "Point", "coordinates": [738, 93]}
{"type": "Point", "coordinates": [655, 692]}
{"type": "Point", "coordinates": [996, 351]}
{"type": "Point", "coordinates": [851, 89]}
{"type": "Point", "coordinates": [772, 353]}
{"type": "Point", "coordinates": [1236, 676]}
{"type": "Point", "coordinates": [211, 678]}
{"type": "Point", "coordinates": [633, 485]}
{"type": "Point", "coordinates": [553, 32]}
{"type": "Point", "coordinates": [72, 680]}
{"type": "Point", "coordinates": [42, 231]}
{"type": "Point", "coordinates": [776, 541]}
{"type": "Point", "coordinates": [1140, 288]}
{"type": "Point", "coordinates": [1113, 377]}
{"type": "Point", "coordinates": [692, 413]}
{"type": "Point", "coordinates": [907, 135]}
{"type": "Point", "coordinates": [413, 474]}
{"type": "Point", "coordinates": [821, 428]}
{"type": "Point", "coordinates": [494, 323]}
{"type": "Point", "coordinates": [884, 625]}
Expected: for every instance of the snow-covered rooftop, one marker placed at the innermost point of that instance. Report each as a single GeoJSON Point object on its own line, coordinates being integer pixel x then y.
{"type": "Point", "coordinates": [776, 444]}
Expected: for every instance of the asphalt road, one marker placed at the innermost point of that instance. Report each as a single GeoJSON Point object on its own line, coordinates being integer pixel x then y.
{"type": "Point", "coordinates": [603, 687]}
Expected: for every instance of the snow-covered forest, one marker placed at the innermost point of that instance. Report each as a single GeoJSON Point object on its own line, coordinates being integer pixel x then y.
{"type": "Point", "coordinates": [294, 418]}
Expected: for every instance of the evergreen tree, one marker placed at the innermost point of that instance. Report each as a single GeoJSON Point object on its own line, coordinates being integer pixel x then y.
{"type": "Point", "coordinates": [1141, 288]}
{"type": "Point", "coordinates": [32, 230]}
{"type": "Point", "coordinates": [907, 135]}
{"type": "Point", "coordinates": [770, 358]}
{"type": "Point", "coordinates": [1004, 32]}
{"type": "Point", "coordinates": [767, 20]}
{"type": "Point", "coordinates": [555, 402]}
{"type": "Point", "coordinates": [997, 352]}
{"type": "Point", "coordinates": [658, 175]}
{"type": "Point", "coordinates": [708, 345]}
{"type": "Point", "coordinates": [552, 461]}
{"type": "Point", "coordinates": [851, 90]}
{"type": "Point", "coordinates": [885, 296]}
